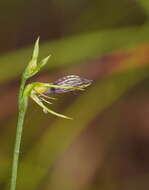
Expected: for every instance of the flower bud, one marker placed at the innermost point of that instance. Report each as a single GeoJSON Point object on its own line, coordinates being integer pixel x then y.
{"type": "Point", "coordinates": [33, 66]}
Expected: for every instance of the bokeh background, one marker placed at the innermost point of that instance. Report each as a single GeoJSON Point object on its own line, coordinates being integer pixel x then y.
{"type": "Point", "coordinates": [106, 146]}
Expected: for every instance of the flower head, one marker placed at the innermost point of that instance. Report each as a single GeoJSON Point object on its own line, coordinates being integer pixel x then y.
{"type": "Point", "coordinates": [40, 92]}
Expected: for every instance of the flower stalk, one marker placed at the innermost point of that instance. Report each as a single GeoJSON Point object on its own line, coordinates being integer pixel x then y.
{"type": "Point", "coordinates": [22, 110]}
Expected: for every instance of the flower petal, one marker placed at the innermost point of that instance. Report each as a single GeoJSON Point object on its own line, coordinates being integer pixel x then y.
{"type": "Point", "coordinates": [38, 101]}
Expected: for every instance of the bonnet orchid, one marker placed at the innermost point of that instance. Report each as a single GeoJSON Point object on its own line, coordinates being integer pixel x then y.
{"type": "Point", "coordinates": [40, 93]}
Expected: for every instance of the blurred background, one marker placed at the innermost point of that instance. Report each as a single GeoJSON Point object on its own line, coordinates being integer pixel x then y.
{"type": "Point", "coordinates": [106, 146]}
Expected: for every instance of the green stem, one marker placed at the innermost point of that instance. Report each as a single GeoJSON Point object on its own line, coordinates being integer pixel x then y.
{"type": "Point", "coordinates": [22, 110]}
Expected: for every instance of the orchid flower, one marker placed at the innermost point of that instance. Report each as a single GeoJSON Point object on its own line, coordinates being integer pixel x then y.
{"type": "Point", "coordinates": [40, 92]}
